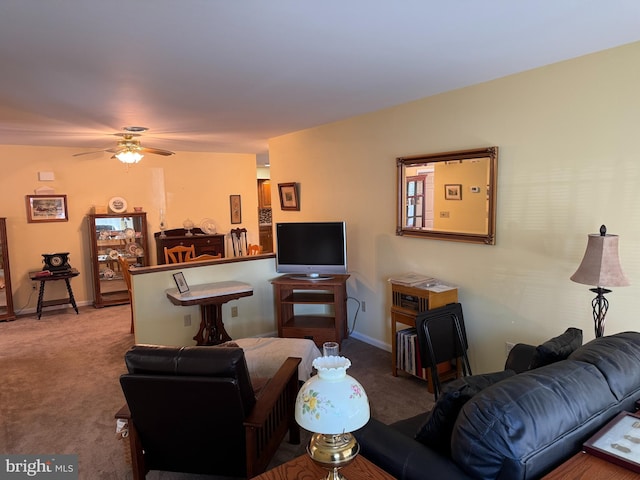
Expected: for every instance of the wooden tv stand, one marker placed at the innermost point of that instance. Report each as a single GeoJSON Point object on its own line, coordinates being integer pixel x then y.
{"type": "Point", "coordinates": [327, 327]}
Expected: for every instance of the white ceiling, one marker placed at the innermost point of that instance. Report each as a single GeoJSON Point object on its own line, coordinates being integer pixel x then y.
{"type": "Point", "coordinates": [226, 75]}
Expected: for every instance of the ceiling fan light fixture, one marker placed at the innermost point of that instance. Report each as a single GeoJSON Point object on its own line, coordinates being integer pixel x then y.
{"type": "Point", "coordinates": [129, 156]}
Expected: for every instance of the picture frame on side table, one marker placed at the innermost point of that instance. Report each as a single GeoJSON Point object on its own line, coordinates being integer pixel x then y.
{"type": "Point", "coordinates": [47, 208]}
{"type": "Point", "coordinates": [181, 282]}
{"type": "Point", "coordinates": [236, 208]}
{"type": "Point", "coordinates": [453, 192]}
{"type": "Point", "coordinates": [289, 196]}
{"type": "Point", "coordinates": [618, 441]}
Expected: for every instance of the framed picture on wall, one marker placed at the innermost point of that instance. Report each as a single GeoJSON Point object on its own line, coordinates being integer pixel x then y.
{"type": "Point", "coordinates": [47, 208]}
{"type": "Point", "coordinates": [289, 196]}
{"type": "Point", "coordinates": [236, 208]}
{"type": "Point", "coordinates": [453, 192]}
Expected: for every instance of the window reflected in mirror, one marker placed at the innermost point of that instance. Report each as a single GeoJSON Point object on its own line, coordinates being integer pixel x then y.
{"type": "Point", "coordinates": [449, 196]}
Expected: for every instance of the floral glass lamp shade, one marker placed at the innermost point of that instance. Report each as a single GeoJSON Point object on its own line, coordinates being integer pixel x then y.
{"type": "Point", "coordinates": [332, 404]}
{"type": "Point", "coordinates": [600, 267]}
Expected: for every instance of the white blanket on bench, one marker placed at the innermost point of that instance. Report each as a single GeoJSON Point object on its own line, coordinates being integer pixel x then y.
{"type": "Point", "coordinates": [265, 355]}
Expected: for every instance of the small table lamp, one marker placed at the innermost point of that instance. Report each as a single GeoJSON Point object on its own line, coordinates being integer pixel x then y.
{"type": "Point", "coordinates": [600, 267]}
{"type": "Point", "coordinates": [332, 404]}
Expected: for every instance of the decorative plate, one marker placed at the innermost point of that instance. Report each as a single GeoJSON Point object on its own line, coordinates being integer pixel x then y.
{"type": "Point", "coordinates": [139, 252]}
{"type": "Point", "coordinates": [208, 226]}
{"type": "Point", "coordinates": [117, 205]}
{"type": "Point", "coordinates": [129, 233]}
{"type": "Point", "coordinates": [132, 248]}
{"type": "Point", "coordinates": [104, 235]}
{"type": "Point", "coordinates": [113, 254]}
{"type": "Point", "coordinates": [108, 273]}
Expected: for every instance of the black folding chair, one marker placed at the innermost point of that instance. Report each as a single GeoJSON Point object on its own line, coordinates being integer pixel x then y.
{"type": "Point", "coordinates": [441, 338]}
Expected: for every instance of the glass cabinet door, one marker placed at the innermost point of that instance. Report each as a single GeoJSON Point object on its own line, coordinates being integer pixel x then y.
{"type": "Point", "coordinates": [6, 298]}
{"type": "Point", "coordinates": [114, 237]}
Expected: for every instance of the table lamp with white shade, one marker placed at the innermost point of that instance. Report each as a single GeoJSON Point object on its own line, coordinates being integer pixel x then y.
{"type": "Point", "coordinates": [332, 404]}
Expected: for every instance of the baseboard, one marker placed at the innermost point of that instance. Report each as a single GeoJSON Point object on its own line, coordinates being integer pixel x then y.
{"type": "Point", "coordinates": [56, 308]}
{"type": "Point", "coordinates": [371, 341]}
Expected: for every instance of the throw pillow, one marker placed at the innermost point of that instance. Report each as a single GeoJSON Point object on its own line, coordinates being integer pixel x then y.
{"type": "Point", "coordinates": [557, 348]}
{"type": "Point", "coordinates": [437, 429]}
{"type": "Point", "coordinates": [229, 344]}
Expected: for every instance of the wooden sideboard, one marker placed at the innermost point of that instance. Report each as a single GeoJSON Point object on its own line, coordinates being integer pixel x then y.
{"type": "Point", "coordinates": [210, 244]}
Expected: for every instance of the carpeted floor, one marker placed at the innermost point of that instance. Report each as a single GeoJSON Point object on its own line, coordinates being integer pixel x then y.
{"type": "Point", "coordinates": [59, 389]}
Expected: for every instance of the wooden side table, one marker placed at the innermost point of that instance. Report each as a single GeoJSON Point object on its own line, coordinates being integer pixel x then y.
{"type": "Point", "coordinates": [66, 276]}
{"type": "Point", "coordinates": [583, 466]}
{"type": "Point", "coordinates": [210, 297]}
{"type": "Point", "coordinates": [303, 468]}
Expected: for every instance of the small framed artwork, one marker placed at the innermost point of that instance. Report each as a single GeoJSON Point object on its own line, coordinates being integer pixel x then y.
{"type": "Point", "coordinates": [236, 208]}
{"type": "Point", "coordinates": [453, 192]}
{"type": "Point", "coordinates": [289, 196]}
{"type": "Point", "coordinates": [183, 287]}
{"type": "Point", "coordinates": [47, 208]}
{"type": "Point", "coordinates": [618, 441]}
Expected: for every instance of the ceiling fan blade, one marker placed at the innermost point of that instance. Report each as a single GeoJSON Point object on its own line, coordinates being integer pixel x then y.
{"type": "Point", "coordinates": [88, 153]}
{"type": "Point", "coordinates": [156, 151]}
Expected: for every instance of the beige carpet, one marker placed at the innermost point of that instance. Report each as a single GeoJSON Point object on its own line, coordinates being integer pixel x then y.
{"type": "Point", "coordinates": [59, 389]}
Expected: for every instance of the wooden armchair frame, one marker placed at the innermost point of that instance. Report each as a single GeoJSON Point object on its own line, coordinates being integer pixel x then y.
{"type": "Point", "coordinates": [265, 427]}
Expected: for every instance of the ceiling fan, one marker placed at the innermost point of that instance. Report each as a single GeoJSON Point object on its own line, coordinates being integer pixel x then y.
{"type": "Point", "coordinates": [128, 149]}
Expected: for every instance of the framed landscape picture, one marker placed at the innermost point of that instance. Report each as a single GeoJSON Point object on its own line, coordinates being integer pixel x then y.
{"type": "Point", "coordinates": [453, 192]}
{"type": "Point", "coordinates": [288, 196]}
{"type": "Point", "coordinates": [47, 208]}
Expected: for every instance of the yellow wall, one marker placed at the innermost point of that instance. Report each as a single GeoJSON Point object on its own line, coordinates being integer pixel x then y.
{"type": "Point", "coordinates": [189, 185]}
{"type": "Point", "coordinates": [569, 161]}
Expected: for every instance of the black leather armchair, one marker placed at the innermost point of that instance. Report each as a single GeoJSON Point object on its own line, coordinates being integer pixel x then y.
{"type": "Point", "coordinates": [194, 410]}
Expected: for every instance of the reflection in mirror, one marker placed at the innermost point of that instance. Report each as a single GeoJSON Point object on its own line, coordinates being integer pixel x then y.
{"type": "Point", "coordinates": [449, 196]}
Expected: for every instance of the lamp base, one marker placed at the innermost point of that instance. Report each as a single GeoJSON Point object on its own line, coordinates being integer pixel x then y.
{"type": "Point", "coordinates": [333, 452]}
{"type": "Point", "coordinates": [600, 306]}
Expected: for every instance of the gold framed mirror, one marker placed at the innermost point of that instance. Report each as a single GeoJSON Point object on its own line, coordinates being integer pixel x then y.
{"type": "Point", "coordinates": [449, 196]}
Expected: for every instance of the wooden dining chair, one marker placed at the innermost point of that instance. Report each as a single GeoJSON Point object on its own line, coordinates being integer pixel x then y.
{"type": "Point", "coordinates": [204, 256]}
{"type": "Point", "coordinates": [239, 241]}
{"type": "Point", "coordinates": [179, 254]}
{"type": "Point", "coordinates": [254, 250]}
{"type": "Point", "coordinates": [126, 275]}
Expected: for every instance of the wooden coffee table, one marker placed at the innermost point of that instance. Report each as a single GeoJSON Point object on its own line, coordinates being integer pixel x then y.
{"type": "Point", "coordinates": [303, 468]}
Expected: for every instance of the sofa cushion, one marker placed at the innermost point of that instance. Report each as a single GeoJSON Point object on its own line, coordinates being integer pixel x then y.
{"type": "Point", "coordinates": [436, 430]}
{"type": "Point", "coordinates": [557, 348]}
{"type": "Point", "coordinates": [520, 427]}
{"type": "Point", "coordinates": [617, 357]}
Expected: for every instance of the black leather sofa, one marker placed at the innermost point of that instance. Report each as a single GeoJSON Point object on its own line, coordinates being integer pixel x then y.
{"type": "Point", "coordinates": [523, 426]}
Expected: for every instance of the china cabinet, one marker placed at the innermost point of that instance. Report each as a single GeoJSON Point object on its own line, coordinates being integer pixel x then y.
{"type": "Point", "coordinates": [113, 236]}
{"type": "Point", "coordinates": [6, 299]}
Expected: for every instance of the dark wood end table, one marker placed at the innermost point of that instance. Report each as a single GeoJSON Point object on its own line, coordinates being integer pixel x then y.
{"type": "Point", "coordinates": [583, 466]}
{"type": "Point", "coordinates": [303, 468]}
{"type": "Point", "coordinates": [66, 276]}
{"type": "Point", "coordinates": [211, 297]}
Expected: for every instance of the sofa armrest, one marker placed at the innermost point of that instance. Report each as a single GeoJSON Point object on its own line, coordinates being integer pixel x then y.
{"type": "Point", "coordinates": [271, 417]}
{"type": "Point", "coordinates": [520, 357]}
{"type": "Point", "coordinates": [402, 456]}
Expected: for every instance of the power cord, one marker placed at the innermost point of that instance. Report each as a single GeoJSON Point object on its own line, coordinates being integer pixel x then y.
{"type": "Point", "coordinates": [19, 311]}
{"type": "Point", "coordinates": [355, 317]}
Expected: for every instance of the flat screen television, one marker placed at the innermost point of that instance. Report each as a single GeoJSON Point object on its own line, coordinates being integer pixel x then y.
{"type": "Point", "coordinates": [313, 250]}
